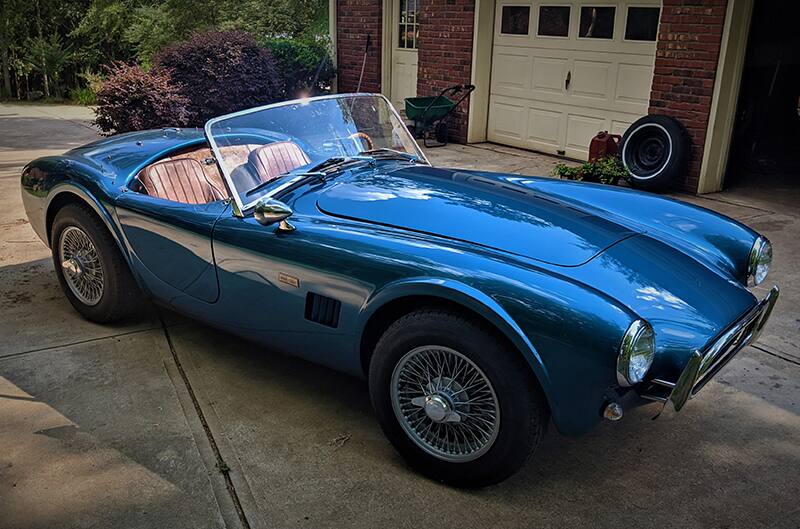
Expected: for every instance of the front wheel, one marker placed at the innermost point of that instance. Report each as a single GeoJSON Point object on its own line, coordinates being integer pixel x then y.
{"type": "Point", "coordinates": [458, 404]}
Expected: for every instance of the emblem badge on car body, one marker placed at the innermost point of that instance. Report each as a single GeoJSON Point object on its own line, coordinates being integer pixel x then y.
{"type": "Point", "coordinates": [289, 280]}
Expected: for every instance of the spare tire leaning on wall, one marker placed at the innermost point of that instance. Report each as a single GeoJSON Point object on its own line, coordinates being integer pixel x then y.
{"type": "Point", "coordinates": [655, 151]}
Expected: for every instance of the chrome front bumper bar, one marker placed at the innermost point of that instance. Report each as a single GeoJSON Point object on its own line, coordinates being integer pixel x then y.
{"type": "Point", "coordinates": [703, 366]}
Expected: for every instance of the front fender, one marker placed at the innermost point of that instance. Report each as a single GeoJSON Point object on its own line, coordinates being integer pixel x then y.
{"type": "Point", "coordinates": [568, 334]}
{"type": "Point", "coordinates": [466, 296]}
{"type": "Point", "coordinates": [479, 303]}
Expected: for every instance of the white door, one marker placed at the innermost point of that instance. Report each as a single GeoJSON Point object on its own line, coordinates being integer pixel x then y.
{"type": "Point", "coordinates": [405, 31]}
{"type": "Point", "coordinates": [563, 71]}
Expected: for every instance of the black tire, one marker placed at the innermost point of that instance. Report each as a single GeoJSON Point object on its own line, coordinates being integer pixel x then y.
{"type": "Point", "coordinates": [523, 411]}
{"type": "Point", "coordinates": [655, 151]}
{"type": "Point", "coordinates": [120, 297]}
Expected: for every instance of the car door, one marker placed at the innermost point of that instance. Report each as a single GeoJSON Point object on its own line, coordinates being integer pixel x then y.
{"type": "Point", "coordinates": [260, 268]}
{"type": "Point", "coordinates": [171, 244]}
{"type": "Point", "coordinates": [288, 289]}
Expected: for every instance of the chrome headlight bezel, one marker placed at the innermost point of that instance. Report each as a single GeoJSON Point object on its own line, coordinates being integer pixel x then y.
{"type": "Point", "coordinates": [759, 261]}
{"type": "Point", "coordinates": [636, 353]}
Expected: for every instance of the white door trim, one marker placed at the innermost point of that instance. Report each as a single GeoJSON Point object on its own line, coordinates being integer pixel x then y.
{"type": "Point", "coordinates": [386, 47]}
{"type": "Point", "coordinates": [333, 29]}
{"type": "Point", "coordinates": [725, 97]}
{"type": "Point", "coordinates": [481, 75]}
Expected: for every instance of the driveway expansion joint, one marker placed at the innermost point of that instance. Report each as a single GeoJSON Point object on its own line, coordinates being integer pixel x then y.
{"type": "Point", "coordinates": [71, 344]}
{"type": "Point", "coordinates": [220, 464]}
{"type": "Point", "coordinates": [779, 355]}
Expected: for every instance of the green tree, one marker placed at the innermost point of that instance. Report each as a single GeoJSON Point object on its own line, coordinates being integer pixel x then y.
{"type": "Point", "coordinates": [49, 57]}
{"type": "Point", "coordinates": [13, 25]}
{"type": "Point", "coordinates": [276, 18]}
{"type": "Point", "coordinates": [95, 33]}
{"type": "Point", "coordinates": [22, 69]}
{"type": "Point", "coordinates": [100, 33]}
{"type": "Point", "coordinates": [151, 28]}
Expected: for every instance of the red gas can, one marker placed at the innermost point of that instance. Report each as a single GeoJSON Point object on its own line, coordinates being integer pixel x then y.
{"type": "Point", "coordinates": [604, 144]}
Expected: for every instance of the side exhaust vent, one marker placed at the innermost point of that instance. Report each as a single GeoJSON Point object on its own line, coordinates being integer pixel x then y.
{"type": "Point", "coordinates": [323, 310]}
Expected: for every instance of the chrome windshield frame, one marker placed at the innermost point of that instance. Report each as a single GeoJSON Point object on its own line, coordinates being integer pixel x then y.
{"type": "Point", "coordinates": [242, 208]}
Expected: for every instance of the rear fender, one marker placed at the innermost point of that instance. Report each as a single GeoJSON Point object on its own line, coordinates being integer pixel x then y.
{"type": "Point", "coordinates": [57, 194]}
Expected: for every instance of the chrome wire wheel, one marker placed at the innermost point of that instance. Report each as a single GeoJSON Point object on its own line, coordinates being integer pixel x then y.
{"type": "Point", "coordinates": [81, 266]}
{"type": "Point", "coordinates": [445, 403]}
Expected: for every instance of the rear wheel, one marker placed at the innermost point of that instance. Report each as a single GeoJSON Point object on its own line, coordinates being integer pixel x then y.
{"type": "Point", "coordinates": [456, 402]}
{"type": "Point", "coordinates": [90, 268]}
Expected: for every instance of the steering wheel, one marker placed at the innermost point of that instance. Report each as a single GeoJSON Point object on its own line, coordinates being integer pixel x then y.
{"type": "Point", "coordinates": [363, 136]}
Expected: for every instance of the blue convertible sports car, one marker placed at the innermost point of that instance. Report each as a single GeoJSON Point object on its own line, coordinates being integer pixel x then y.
{"type": "Point", "coordinates": [478, 305]}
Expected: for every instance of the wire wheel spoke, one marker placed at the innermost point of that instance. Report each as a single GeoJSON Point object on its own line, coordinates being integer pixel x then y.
{"type": "Point", "coordinates": [81, 265]}
{"type": "Point", "coordinates": [445, 403]}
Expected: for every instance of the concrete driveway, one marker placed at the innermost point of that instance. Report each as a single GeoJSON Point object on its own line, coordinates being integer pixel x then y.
{"type": "Point", "coordinates": [163, 422]}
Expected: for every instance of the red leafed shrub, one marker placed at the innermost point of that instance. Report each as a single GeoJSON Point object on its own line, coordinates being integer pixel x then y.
{"type": "Point", "coordinates": [133, 99]}
{"type": "Point", "coordinates": [221, 72]}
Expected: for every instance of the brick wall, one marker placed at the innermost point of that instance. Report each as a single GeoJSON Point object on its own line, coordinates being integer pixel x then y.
{"type": "Point", "coordinates": [686, 63]}
{"type": "Point", "coordinates": [354, 20]}
{"type": "Point", "coordinates": [445, 53]}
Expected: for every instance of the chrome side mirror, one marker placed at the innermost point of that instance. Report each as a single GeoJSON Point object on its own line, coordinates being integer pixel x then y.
{"type": "Point", "coordinates": [270, 211]}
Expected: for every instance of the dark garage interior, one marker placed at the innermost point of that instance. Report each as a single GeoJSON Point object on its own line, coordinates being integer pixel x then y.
{"type": "Point", "coordinates": [766, 137]}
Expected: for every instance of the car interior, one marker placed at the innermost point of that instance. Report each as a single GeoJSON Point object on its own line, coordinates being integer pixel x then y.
{"type": "Point", "coordinates": [192, 176]}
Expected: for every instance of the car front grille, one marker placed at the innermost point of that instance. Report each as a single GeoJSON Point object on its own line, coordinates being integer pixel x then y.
{"type": "Point", "coordinates": [704, 365]}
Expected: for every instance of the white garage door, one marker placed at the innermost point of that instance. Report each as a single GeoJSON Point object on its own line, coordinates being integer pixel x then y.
{"type": "Point", "coordinates": [563, 71]}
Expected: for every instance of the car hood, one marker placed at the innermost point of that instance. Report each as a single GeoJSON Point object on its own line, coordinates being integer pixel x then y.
{"type": "Point", "coordinates": [468, 207]}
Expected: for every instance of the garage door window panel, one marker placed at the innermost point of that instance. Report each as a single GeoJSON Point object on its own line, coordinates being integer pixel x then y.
{"type": "Point", "coordinates": [597, 22]}
{"type": "Point", "coordinates": [553, 21]}
{"type": "Point", "coordinates": [515, 20]}
{"type": "Point", "coordinates": [641, 23]}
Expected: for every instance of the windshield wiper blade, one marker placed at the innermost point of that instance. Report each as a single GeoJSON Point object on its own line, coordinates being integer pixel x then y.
{"type": "Point", "coordinates": [332, 163]}
{"type": "Point", "coordinates": [259, 187]}
{"type": "Point", "coordinates": [331, 166]}
{"type": "Point", "coordinates": [385, 153]}
{"type": "Point", "coordinates": [323, 170]}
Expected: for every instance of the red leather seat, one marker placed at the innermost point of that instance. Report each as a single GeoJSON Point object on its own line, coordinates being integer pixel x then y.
{"type": "Point", "coordinates": [179, 180]}
{"type": "Point", "coordinates": [274, 159]}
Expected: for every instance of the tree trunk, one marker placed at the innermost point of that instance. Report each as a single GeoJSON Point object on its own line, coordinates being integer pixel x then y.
{"type": "Point", "coordinates": [6, 73]}
{"type": "Point", "coordinates": [44, 61]}
{"type": "Point", "coordinates": [6, 92]}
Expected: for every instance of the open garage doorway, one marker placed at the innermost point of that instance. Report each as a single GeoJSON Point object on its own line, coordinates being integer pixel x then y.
{"type": "Point", "coordinates": [765, 147]}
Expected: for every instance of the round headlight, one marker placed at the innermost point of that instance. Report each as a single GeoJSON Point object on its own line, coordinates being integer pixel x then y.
{"type": "Point", "coordinates": [759, 261]}
{"type": "Point", "coordinates": [636, 353]}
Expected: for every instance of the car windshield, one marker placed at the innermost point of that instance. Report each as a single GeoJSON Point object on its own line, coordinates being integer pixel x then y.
{"type": "Point", "coordinates": [260, 149]}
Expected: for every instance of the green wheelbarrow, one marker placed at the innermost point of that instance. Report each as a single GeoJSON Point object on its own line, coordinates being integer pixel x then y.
{"type": "Point", "coordinates": [430, 114]}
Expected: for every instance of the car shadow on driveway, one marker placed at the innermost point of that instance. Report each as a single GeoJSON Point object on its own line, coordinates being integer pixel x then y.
{"type": "Point", "coordinates": [37, 315]}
